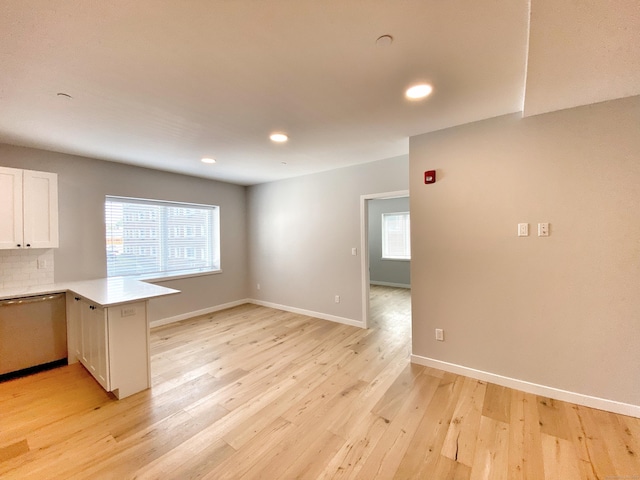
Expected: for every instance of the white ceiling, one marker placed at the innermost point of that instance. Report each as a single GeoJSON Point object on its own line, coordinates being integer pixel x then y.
{"type": "Point", "coordinates": [582, 52]}
{"type": "Point", "coordinates": [162, 83]}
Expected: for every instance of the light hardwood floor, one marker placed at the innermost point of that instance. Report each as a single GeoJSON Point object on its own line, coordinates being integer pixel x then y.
{"type": "Point", "coordinates": [253, 392]}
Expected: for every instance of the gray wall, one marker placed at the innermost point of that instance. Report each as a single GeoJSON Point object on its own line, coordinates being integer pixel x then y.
{"type": "Point", "coordinates": [560, 311]}
{"type": "Point", "coordinates": [386, 272]}
{"type": "Point", "coordinates": [302, 231]}
{"type": "Point", "coordinates": [83, 184]}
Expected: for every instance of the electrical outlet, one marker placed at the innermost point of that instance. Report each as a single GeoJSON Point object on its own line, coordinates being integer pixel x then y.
{"type": "Point", "coordinates": [42, 263]}
{"type": "Point", "coordinates": [354, 251]}
{"type": "Point", "coordinates": [127, 311]}
{"type": "Point", "coordinates": [440, 334]}
{"type": "Point", "coordinates": [258, 286]}
{"type": "Point", "coordinates": [543, 229]}
{"type": "Point", "coordinates": [337, 298]}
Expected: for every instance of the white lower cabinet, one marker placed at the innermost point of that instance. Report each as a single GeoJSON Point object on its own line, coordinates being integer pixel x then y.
{"type": "Point", "coordinates": [74, 332]}
{"type": "Point", "coordinates": [95, 351]}
{"type": "Point", "coordinates": [112, 343]}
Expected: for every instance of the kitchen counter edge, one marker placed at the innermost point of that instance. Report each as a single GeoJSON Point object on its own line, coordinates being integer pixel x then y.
{"type": "Point", "coordinates": [106, 292]}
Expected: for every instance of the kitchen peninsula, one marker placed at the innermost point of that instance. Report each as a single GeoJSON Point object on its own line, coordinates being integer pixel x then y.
{"type": "Point", "coordinates": [107, 328]}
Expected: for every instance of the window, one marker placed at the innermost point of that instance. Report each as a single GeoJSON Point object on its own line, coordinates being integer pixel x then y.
{"type": "Point", "coordinates": [156, 239]}
{"type": "Point", "coordinates": [396, 243]}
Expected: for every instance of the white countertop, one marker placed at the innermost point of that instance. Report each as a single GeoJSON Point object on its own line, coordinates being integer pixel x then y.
{"type": "Point", "coordinates": [105, 292]}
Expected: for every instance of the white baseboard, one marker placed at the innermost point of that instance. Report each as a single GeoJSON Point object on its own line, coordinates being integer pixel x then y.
{"type": "Point", "coordinates": [286, 308]}
{"type": "Point", "coordinates": [323, 316]}
{"type": "Point", "coordinates": [534, 388]}
{"type": "Point", "coordinates": [196, 313]}
{"type": "Point", "coordinates": [389, 284]}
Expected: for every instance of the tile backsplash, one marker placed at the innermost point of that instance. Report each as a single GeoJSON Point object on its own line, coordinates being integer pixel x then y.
{"type": "Point", "coordinates": [19, 267]}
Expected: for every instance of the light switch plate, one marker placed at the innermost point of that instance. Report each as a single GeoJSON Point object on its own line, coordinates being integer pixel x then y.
{"type": "Point", "coordinates": [523, 229]}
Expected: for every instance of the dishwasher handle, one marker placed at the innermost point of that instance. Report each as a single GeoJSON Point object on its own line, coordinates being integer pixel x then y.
{"type": "Point", "coordinates": [27, 300]}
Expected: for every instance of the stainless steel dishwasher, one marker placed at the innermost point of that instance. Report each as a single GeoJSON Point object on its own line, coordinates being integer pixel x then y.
{"type": "Point", "coordinates": [33, 333]}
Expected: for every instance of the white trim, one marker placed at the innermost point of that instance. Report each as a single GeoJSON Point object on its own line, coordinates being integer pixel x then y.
{"type": "Point", "coordinates": [385, 195]}
{"type": "Point", "coordinates": [286, 308]}
{"type": "Point", "coordinates": [526, 61]}
{"type": "Point", "coordinates": [364, 259]}
{"type": "Point", "coordinates": [301, 311]}
{"type": "Point", "coordinates": [364, 246]}
{"type": "Point", "coordinates": [178, 276]}
{"type": "Point", "coordinates": [534, 388]}
{"type": "Point", "coordinates": [389, 284]}
{"type": "Point", "coordinates": [196, 313]}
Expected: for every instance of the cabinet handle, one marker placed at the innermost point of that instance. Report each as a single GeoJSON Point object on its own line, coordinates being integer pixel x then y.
{"type": "Point", "coordinates": [77, 299]}
{"type": "Point", "coordinates": [18, 245]}
{"type": "Point", "coordinates": [28, 244]}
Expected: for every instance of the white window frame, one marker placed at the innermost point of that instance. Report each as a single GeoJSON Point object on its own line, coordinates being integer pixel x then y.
{"type": "Point", "coordinates": [164, 272]}
{"type": "Point", "coordinates": [385, 254]}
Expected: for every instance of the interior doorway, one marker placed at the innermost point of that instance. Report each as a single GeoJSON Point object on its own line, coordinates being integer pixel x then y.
{"type": "Point", "coordinates": [390, 276]}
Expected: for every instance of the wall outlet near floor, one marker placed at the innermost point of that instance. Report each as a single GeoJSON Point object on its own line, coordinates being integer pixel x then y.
{"type": "Point", "coordinates": [440, 334]}
{"type": "Point", "coordinates": [337, 298]}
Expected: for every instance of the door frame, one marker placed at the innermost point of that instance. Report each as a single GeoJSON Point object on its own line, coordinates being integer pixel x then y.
{"type": "Point", "coordinates": [364, 245]}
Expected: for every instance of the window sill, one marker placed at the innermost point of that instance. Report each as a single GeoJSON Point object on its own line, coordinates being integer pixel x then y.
{"type": "Point", "coordinates": [396, 259]}
{"type": "Point", "coordinates": [155, 278]}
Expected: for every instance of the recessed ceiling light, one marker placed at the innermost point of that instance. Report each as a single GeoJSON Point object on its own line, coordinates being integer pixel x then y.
{"type": "Point", "coordinates": [278, 137]}
{"type": "Point", "coordinates": [208, 160]}
{"type": "Point", "coordinates": [418, 91]}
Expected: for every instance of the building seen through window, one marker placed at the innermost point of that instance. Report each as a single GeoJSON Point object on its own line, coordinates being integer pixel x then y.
{"type": "Point", "coordinates": [153, 238]}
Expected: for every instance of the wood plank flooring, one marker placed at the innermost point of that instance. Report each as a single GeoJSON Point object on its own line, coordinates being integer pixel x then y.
{"type": "Point", "coordinates": [253, 392]}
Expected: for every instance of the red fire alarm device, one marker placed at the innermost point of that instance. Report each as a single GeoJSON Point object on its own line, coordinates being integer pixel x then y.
{"type": "Point", "coordinates": [430, 176]}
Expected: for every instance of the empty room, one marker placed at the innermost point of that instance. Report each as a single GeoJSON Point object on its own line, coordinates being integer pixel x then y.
{"type": "Point", "coordinates": [337, 239]}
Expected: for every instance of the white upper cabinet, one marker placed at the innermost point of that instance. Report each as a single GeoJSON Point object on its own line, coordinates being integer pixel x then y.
{"type": "Point", "coordinates": [10, 207]}
{"type": "Point", "coordinates": [28, 209]}
{"type": "Point", "coordinates": [40, 204]}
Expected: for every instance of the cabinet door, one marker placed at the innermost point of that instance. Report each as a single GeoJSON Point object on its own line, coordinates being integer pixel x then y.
{"type": "Point", "coordinates": [86, 326]}
{"type": "Point", "coordinates": [94, 349]}
{"type": "Point", "coordinates": [40, 196]}
{"type": "Point", "coordinates": [99, 360]}
{"type": "Point", "coordinates": [74, 328]}
{"type": "Point", "coordinates": [10, 208]}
